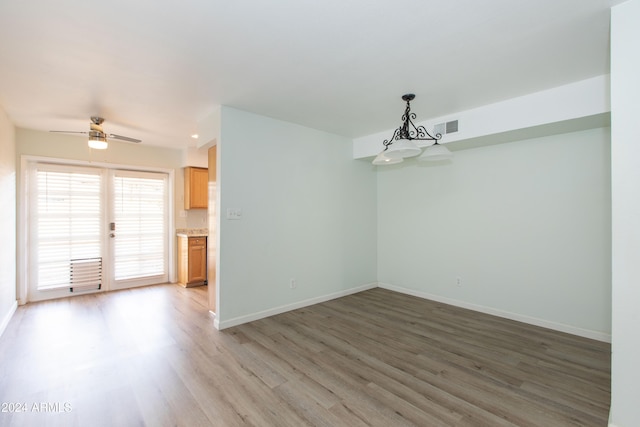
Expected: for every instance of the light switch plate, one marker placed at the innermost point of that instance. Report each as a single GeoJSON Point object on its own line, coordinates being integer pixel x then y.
{"type": "Point", "coordinates": [234, 213]}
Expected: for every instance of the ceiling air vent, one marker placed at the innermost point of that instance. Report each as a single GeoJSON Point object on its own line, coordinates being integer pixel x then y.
{"type": "Point", "coordinates": [445, 128]}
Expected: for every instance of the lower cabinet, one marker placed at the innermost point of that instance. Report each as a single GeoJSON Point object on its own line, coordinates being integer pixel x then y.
{"type": "Point", "coordinates": [192, 261]}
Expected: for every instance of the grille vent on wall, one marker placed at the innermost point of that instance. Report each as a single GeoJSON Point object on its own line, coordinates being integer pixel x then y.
{"type": "Point", "coordinates": [85, 274]}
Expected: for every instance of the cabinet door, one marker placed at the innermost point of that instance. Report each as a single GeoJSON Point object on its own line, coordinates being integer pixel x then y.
{"type": "Point", "coordinates": [183, 260]}
{"type": "Point", "coordinates": [197, 259]}
{"type": "Point", "coordinates": [196, 188]}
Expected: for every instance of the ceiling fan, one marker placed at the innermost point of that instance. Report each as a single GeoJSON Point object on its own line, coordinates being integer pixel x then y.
{"type": "Point", "coordinates": [97, 137]}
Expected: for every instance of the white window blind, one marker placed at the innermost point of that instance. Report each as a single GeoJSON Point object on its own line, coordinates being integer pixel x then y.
{"type": "Point", "coordinates": [66, 222]}
{"type": "Point", "coordinates": [140, 222]}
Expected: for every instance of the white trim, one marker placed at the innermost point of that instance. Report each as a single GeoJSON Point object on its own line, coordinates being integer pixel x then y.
{"type": "Point", "coordinates": [595, 335]}
{"type": "Point", "coordinates": [7, 317]}
{"type": "Point", "coordinates": [289, 307]}
{"type": "Point", "coordinates": [573, 330]}
{"type": "Point", "coordinates": [216, 322]}
{"type": "Point", "coordinates": [101, 165]}
{"type": "Point", "coordinates": [22, 219]}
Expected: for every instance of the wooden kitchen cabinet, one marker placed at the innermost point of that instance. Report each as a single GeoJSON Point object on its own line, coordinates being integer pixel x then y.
{"type": "Point", "coordinates": [192, 261]}
{"type": "Point", "coordinates": [196, 188]}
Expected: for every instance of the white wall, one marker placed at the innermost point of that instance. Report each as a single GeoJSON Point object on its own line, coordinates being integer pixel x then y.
{"type": "Point", "coordinates": [7, 221]}
{"type": "Point", "coordinates": [625, 164]}
{"type": "Point", "coordinates": [308, 212]}
{"type": "Point", "coordinates": [525, 225]}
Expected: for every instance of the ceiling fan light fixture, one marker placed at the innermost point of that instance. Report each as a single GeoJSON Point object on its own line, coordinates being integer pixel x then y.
{"type": "Point", "coordinates": [98, 142]}
{"type": "Point", "coordinates": [97, 136]}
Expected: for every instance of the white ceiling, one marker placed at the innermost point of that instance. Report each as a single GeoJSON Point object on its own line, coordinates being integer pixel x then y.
{"type": "Point", "coordinates": [153, 68]}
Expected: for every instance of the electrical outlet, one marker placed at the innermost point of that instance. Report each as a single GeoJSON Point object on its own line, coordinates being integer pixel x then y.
{"type": "Point", "coordinates": [458, 281]}
{"type": "Point", "coordinates": [293, 284]}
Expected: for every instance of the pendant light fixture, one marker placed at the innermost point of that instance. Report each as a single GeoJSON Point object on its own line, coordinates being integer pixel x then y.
{"type": "Point", "coordinates": [434, 153]}
{"type": "Point", "coordinates": [382, 159]}
{"type": "Point", "coordinates": [401, 145]}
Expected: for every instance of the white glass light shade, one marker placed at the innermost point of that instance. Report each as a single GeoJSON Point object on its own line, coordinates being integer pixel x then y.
{"type": "Point", "coordinates": [382, 159]}
{"type": "Point", "coordinates": [402, 148]}
{"type": "Point", "coordinates": [98, 144]}
{"type": "Point", "coordinates": [435, 152]}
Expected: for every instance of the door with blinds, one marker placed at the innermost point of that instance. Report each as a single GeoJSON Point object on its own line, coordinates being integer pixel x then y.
{"type": "Point", "coordinates": [138, 230]}
{"type": "Point", "coordinates": [95, 229]}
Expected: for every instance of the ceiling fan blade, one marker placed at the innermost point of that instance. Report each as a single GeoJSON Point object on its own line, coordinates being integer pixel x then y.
{"type": "Point", "coordinates": [67, 131]}
{"type": "Point", "coordinates": [123, 138]}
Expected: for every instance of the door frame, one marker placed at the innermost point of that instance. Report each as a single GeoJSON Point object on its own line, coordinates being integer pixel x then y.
{"type": "Point", "coordinates": [114, 284]}
{"type": "Point", "coordinates": [22, 220]}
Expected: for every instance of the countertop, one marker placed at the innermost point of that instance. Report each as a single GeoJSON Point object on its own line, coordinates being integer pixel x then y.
{"type": "Point", "coordinates": [192, 232]}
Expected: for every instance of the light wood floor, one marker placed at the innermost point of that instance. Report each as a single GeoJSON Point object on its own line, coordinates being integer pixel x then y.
{"type": "Point", "coordinates": [151, 356]}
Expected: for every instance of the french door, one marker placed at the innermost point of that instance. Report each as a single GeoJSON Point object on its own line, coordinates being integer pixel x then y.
{"type": "Point", "coordinates": [95, 229]}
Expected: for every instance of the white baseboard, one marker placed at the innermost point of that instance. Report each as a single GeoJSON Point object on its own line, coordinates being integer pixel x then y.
{"type": "Point", "coordinates": [293, 306]}
{"type": "Point", "coordinates": [7, 317]}
{"type": "Point", "coordinates": [216, 322]}
{"type": "Point", "coordinates": [595, 335]}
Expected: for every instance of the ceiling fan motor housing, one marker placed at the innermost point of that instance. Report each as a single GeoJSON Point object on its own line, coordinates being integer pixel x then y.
{"type": "Point", "coordinates": [97, 135]}
{"type": "Point", "coordinates": [96, 127]}
{"type": "Point", "coordinates": [97, 120]}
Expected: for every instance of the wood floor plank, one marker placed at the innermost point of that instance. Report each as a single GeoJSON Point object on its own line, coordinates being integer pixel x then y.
{"type": "Point", "coordinates": [150, 356]}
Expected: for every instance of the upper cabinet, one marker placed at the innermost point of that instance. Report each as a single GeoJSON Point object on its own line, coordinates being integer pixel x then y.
{"type": "Point", "coordinates": [196, 188]}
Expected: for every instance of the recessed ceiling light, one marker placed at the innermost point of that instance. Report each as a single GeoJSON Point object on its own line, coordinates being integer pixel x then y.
{"type": "Point", "coordinates": [194, 136]}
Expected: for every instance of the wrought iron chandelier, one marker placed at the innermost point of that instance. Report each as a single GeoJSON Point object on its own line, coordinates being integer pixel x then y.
{"type": "Point", "coordinates": [401, 145]}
